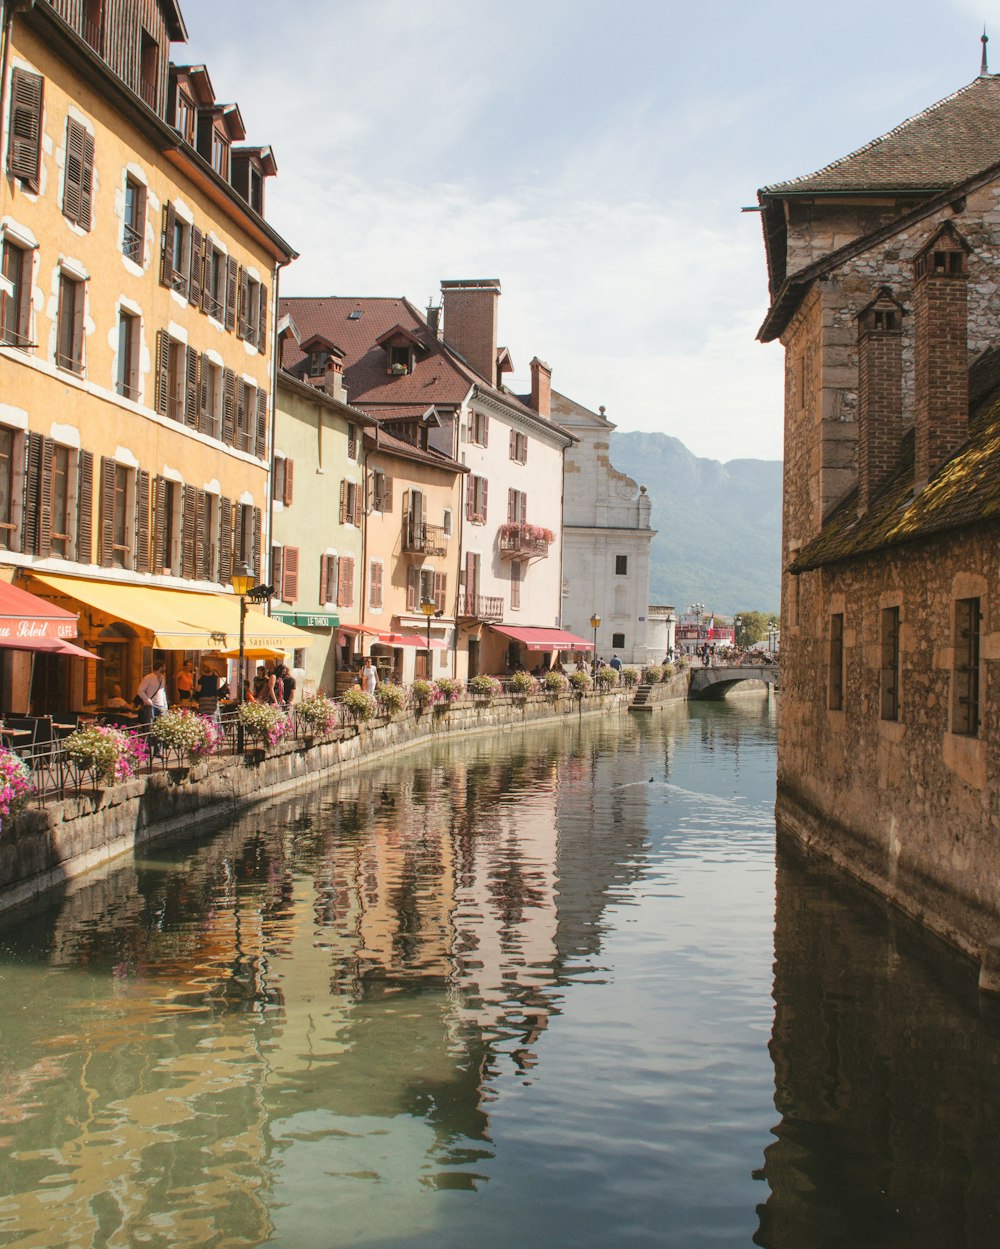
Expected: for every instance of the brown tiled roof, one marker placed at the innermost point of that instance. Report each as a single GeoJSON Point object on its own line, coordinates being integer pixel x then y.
{"type": "Point", "coordinates": [966, 491]}
{"type": "Point", "coordinates": [380, 439]}
{"type": "Point", "coordinates": [944, 144]}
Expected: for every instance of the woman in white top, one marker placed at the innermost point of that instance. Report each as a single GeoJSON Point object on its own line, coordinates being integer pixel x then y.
{"type": "Point", "coordinates": [369, 677]}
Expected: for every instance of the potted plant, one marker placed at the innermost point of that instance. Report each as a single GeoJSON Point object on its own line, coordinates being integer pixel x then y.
{"type": "Point", "coordinates": [421, 694]}
{"type": "Point", "coordinates": [448, 690]}
{"type": "Point", "coordinates": [361, 705]}
{"type": "Point", "coordinates": [264, 723]}
{"type": "Point", "coordinates": [390, 698]}
{"type": "Point", "coordinates": [192, 736]}
{"type": "Point", "coordinates": [580, 681]}
{"type": "Point", "coordinates": [318, 713]}
{"type": "Point", "coordinates": [521, 684]}
{"type": "Point", "coordinates": [15, 787]}
{"type": "Point", "coordinates": [108, 753]}
{"type": "Point", "coordinates": [651, 674]}
{"type": "Point", "coordinates": [630, 677]}
{"type": "Point", "coordinates": [607, 678]}
{"type": "Point", "coordinates": [554, 682]}
{"type": "Point", "coordinates": [484, 688]}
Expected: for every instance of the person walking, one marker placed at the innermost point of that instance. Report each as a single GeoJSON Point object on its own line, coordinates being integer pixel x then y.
{"type": "Point", "coordinates": [369, 677]}
{"type": "Point", "coordinates": [152, 697]}
{"type": "Point", "coordinates": [616, 663]}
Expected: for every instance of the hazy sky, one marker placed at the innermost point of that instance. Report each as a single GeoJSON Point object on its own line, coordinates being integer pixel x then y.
{"type": "Point", "coordinates": [592, 154]}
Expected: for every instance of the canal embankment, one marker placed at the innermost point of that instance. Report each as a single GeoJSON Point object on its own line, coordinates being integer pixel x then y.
{"type": "Point", "coordinates": [69, 836]}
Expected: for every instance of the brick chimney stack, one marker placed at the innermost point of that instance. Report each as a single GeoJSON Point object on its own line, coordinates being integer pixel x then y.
{"type": "Point", "coordinates": [470, 322]}
{"type": "Point", "coordinates": [941, 351]}
{"type": "Point", "coordinates": [541, 387]}
{"type": "Point", "coordinates": [333, 377]}
{"type": "Point", "coordinates": [880, 394]}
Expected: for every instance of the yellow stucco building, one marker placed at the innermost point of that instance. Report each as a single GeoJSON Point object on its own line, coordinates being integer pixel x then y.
{"type": "Point", "coordinates": [136, 344]}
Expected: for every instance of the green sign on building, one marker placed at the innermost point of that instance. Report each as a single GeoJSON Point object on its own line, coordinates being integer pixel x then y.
{"type": "Point", "coordinates": [308, 620]}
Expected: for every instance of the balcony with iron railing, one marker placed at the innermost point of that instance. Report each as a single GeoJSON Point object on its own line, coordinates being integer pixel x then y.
{"type": "Point", "coordinates": [480, 607]}
{"type": "Point", "coordinates": [525, 540]}
{"type": "Point", "coordinates": [132, 244]}
{"type": "Point", "coordinates": [420, 538]}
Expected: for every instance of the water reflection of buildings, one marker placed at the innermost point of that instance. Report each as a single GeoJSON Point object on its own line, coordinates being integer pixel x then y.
{"type": "Point", "coordinates": [384, 950]}
{"type": "Point", "coordinates": [887, 1079]}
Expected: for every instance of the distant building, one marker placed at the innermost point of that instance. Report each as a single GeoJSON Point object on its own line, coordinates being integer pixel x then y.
{"type": "Point", "coordinates": [885, 282]}
{"type": "Point", "coordinates": [606, 543]}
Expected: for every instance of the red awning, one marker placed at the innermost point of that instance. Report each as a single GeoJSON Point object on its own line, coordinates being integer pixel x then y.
{"type": "Point", "coordinates": [25, 618]}
{"type": "Point", "coordinates": [346, 628]}
{"type": "Point", "coordinates": [544, 639]}
{"type": "Point", "coordinates": [50, 646]}
{"type": "Point", "coordinates": [411, 639]}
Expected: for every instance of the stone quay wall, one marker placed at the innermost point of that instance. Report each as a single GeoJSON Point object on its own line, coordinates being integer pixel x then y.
{"type": "Point", "coordinates": [67, 837]}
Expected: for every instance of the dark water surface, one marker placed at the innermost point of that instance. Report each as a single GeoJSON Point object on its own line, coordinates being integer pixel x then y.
{"type": "Point", "coordinates": [542, 991]}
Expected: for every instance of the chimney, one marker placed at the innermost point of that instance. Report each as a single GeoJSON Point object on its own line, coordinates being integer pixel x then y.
{"type": "Point", "coordinates": [470, 322]}
{"type": "Point", "coordinates": [880, 393]}
{"type": "Point", "coordinates": [434, 319]}
{"type": "Point", "coordinates": [541, 387]}
{"type": "Point", "coordinates": [333, 377]}
{"type": "Point", "coordinates": [941, 351]}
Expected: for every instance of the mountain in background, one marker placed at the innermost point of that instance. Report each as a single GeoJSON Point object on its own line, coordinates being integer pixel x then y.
{"type": "Point", "coordinates": [718, 538]}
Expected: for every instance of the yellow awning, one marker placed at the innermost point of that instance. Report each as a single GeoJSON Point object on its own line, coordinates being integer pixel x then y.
{"type": "Point", "coordinates": [179, 619]}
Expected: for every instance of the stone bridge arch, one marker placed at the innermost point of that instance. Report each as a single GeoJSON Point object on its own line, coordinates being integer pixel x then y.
{"type": "Point", "coordinates": [715, 683]}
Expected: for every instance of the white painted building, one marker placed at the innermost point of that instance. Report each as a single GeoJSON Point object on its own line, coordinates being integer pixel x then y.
{"type": "Point", "coordinates": [606, 544]}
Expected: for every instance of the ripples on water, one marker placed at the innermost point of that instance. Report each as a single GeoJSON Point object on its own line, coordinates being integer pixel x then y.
{"type": "Point", "coordinates": [495, 994]}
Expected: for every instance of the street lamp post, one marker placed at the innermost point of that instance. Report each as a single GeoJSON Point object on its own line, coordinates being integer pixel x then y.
{"type": "Point", "coordinates": [428, 607]}
{"type": "Point", "coordinates": [243, 581]}
{"type": "Point", "coordinates": [737, 621]}
{"type": "Point", "coordinates": [595, 624]}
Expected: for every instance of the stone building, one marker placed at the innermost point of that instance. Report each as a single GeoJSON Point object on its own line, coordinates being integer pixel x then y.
{"type": "Point", "coordinates": [885, 292]}
{"type": "Point", "coordinates": [606, 543]}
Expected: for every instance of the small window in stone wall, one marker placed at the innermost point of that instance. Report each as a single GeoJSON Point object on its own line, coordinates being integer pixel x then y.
{"type": "Point", "coordinates": [618, 641]}
{"type": "Point", "coordinates": [890, 663]}
{"type": "Point", "coordinates": [836, 674]}
{"type": "Point", "coordinates": [965, 677]}
{"type": "Point", "coordinates": [621, 565]}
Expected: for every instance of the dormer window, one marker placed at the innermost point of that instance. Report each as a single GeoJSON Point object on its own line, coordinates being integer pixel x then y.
{"type": "Point", "coordinates": [220, 152]}
{"type": "Point", "coordinates": [944, 256]}
{"type": "Point", "coordinates": [400, 346]}
{"type": "Point", "coordinates": [400, 360]}
{"type": "Point", "coordinates": [317, 362]}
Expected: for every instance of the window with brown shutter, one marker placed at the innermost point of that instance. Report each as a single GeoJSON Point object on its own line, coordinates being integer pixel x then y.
{"type": "Point", "coordinates": [160, 525]}
{"type": "Point", "coordinates": [197, 266]}
{"type": "Point", "coordinates": [85, 509]}
{"type": "Point", "coordinates": [358, 510]}
{"type": "Point", "coordinates": [24, 153]}
{"type": "Point", "coordinates": [141, 559]}
{"type": "Point", "coordinates": [232, 279]}
{"type": "Point", "coordinates": [343, 502]}
{"type": "Point", "coordinates": [288, 484]}
{"type": "Point", "coordinates": [260, 449]}
{"type": "Point", "coordinates": [189, 532]}
{"type": "Point", "coordinates": [277, 571]}
{"type": "Point", "coordinates": [204, 549]}
{"type": "Point", "coordinates": [15, 308]}
{"type": "Point", "coordinates": [69, 327]}
{"type": "Point", "coordinates": [191, 388]}
{"type": "Point", "coordinates": [134, 225]}
{"type": "Point", "coordinates": [375, 584]}
{"type": "Point", "coordinates": [440, 590]}
{"type": "Point", "coordinates": [79, 173]}
{"type": "Point", "coordinates": [225, 540]}
{"type": "Point", "coordinates": [290, 574]}
{"type": "Point", "coordinates": [345, 581]}
{"type": "Point", "coordinates": [328, 579]}
{"type": "Point", "coordinates": [262, 318]}
{"type": "Point", "coordinates": [412, 588]}
{"type": "Point", "coordinates": [229, 407]}
{"type": "Point", "coordinates": [10, 537]}
{"type": "Point", "coordinates": [57, 522]}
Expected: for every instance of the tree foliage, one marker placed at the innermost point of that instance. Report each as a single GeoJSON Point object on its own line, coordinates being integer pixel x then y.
{"type": "Point", "coordinates": [753, 627]}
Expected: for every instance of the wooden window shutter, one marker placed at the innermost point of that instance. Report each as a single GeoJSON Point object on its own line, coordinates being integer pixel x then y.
{"type": "Point", "coordinates": [486, 486]}
{"type": "Point", "coordinates": [524, 508]}
{"type": "Point", "coordinates": [208, 252]}
{"type": "Point", "coordinates": [191, 390]}
{"type": "Point", "coordinates": [44, 547]}
{"type": "Point", "coordinates": [324, 574]}
{"type": "Point", "coordinates": [85, 509]}
{"type": "Point", "coordinates": [486, 429]}
{"type": "Point", "coordinates": [73, 175]}
{"type": "Point", "coordinates": [375, 583]}
{"type": "Point", "coordinates": [24, 153]}
{"type": "Point", "coordinates": [162, 360]}
{"type": "Point", "coordinates": [229, 408]}
{"type": "Point", "coordinates": [204, 415]}
{"type": "Point", "coordinates": [232, 280]}
{"type": "Point", "coordinates": [78, 296]}
{"type": "Point", "coordinates": [470, 583]}
{"type": "Point", "coordinates": [262, 319]}
{"type": "Point", "coordinates": [524, 449]}
{"type": "Point", "coordinates": [141, 521]}
{"type": "Point", "coordinates": [290, 575]}
{"type": "Point", "coordinates": [289, 479]}
{"type": "Point", "coordinates": [510, 505]}
{"type": "Point", "coordinates": [347, 577]}
{"type": "Point", "coordinates": [357, 506]}
{"type": "Point", "coordinates": [260, 450]}
{"type": "Point", "coordinates": [203, 570]}
{"type": "Point", "coordinates": [189, 533]}
{"type": "Point", "coordinates": [106, 553]}
{"type": "Point", "coordinates": [197, 266]}
{"type": "Point", "coordinates": [225, 540]}
{"type": "Point", "coordinates": [386, 493]}
{"type": "Point", "coordinates": [278, 571]}
{"type": "Point", "coordinates": [86, 181]}
{"type": "Point", "coordinates": [255, 549]}
{"type": "Point", "coordinates": [28, 538]}
{"type": "Point", "coordinates": [343, 502]}
{"type": "Point", "coordinates": [513, 445]}
{"type": "Point", "coordinates": [470, 497]}
{"type": "Point", "coordinates": [159, 525]}
{"type": "Point", "coordinates": [412, 578]}
{"type": "Point", "coordinates": [440, 590]}
{"type": "Point", "coordinates": [167, 245]}
{"type": "Point", "coordinates": [242, 303]}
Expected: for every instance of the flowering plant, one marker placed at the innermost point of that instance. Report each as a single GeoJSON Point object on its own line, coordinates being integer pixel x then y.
{"type": "Point", "coordinates": [554, 682]}
{"type": "Point", "coordinates": [630, 677]}
{"type": "Point", "coordinates": [111, 754]}
{"type": "Point", "coordinates": [262, 721]}
{"type": "Point", "coordinates": [318, 712]}
{"type": "Point", "coordinates": [391, 698]}
{"type": "Point", "coordinates": [668, 672]}
{"type": "Point", "coordinates": [194, 736]}
{"type": "Point", "coordinates": [483, 686]}
{"type": "Point", "coordinates": [580, 680]}
{"type": "Point", "coordinates": [652, 673]}
{"type": "Point", "coordinates": [522, 683]}
{"type": "Point", "coordinates": [448, 689]}
{"type": "Point", "coordinates": [606, 677]}
{"type": "Point", "coordinates": [15, 786]}
{"type": "Point", "coordinates": [360, 703]}
{"type": "Point", "coordinates": [422, 693]}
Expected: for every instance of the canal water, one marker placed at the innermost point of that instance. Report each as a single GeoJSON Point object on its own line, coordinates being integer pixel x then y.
{"type": "Point", "coordinates": [551, 989]}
